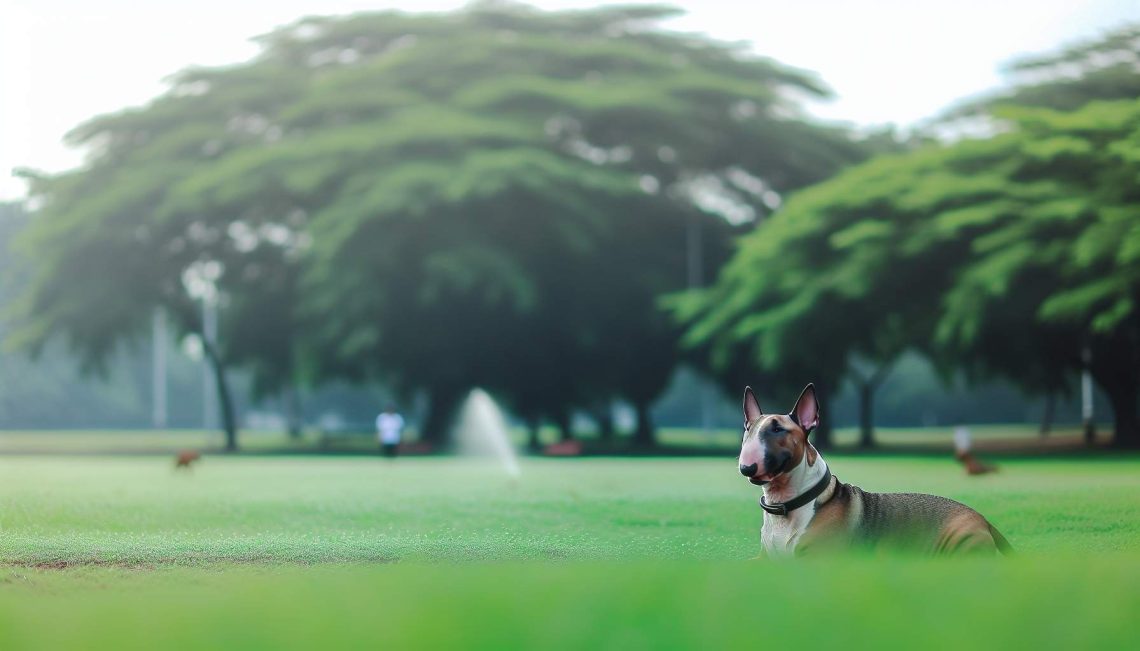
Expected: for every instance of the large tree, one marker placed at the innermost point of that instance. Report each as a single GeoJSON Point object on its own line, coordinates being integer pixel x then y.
{"type": "Point", "coordinates": [129, 233]}
{"type": "Point", "coordinates": [507, 190]}
{"type": "Point", "coordinates": [1005, 256]}
{"type": "Point", "coordinates": [850, 275]}
{"type": "Point", "coordinates": [1058, 258]}
{"type": "Point", "coordinates": [493, 196]}
{"type": "Point", "coordinates": [1105, 68]}
{"type": "Point", "coordinates": [811, 295]}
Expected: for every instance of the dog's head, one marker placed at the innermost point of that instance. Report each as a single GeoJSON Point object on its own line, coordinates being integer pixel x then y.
{"type": "Point", "coordinates": [776, 443]}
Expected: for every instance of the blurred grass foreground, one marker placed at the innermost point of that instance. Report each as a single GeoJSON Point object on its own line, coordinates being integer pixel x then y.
{"type": "Point", "coordinates": [249, 553]}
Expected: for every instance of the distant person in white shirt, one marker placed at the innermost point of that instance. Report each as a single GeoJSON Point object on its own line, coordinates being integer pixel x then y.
{"type": "Point", "coordinates": [962, 440]}
{"type": "Point", "coordinates": [389, 426]}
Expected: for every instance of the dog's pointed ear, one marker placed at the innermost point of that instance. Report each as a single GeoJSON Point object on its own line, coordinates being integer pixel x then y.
{"type": "Point", "coordinates": [752, 411]}
{"type": "Point", "coordinates": [806, 411]}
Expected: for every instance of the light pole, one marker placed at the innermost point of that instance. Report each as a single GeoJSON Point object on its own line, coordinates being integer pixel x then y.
{"type": "Point", "coordinates": [209, 388]}
{"type": "Point", "coordinates": [201, 282]}
{"type": "Point", "coordinates": [158, 370]}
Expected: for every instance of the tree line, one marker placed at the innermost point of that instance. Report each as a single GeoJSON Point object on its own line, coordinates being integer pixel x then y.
{"type": "Point", "coordinates": [522, 200]}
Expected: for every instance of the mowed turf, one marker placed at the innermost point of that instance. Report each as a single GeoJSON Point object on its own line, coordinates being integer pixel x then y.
{"type": "Point", "coordinates": [277, 552]}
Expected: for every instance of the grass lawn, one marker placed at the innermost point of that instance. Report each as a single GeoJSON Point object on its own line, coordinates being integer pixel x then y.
{"type": "Point", "coordinates": [303, 552]}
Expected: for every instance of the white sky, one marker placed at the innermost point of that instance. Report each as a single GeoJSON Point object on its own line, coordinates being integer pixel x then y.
{"type": "Point", "coordinates": [64, 61]}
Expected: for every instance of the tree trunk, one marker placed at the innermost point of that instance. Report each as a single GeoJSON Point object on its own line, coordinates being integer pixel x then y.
{"type": "Point", "coordinates": [533, 426]}
{"type": "Point", "coordinates": [293, 416]}
{"type": "Point", "coordinates": [1126, 428]}
{"type": "Point", "coordinates": [867, 388]}
{"type": "Point", "coordinates": [604, 417]}
{"type": "Point", "coordinates": [643, 436]}
{"type": "Point", "coordinates": [821, 437]}
{"type": "Point", "coordinates": [1116, 369]}
{"type": "Point", "coordinates": [442, 406]}
{"type": "Point", "coordinates": [866, 415]}
{"type": "Point", "coordinates": [1047, 415]}
{"type": "Point", "coordinates": [565, 431]}
{"type": "Point", "coordinates": [225, 398]}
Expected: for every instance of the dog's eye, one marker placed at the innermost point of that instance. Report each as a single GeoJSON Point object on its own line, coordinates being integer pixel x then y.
{"type": "Point", "coordinates": [777, 428]}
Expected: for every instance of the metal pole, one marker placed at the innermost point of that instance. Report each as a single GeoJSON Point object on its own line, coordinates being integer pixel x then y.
{"type": "Point", "coordinates": [158, 370]}
{"type": "Point", "coordinates": [209, 390]}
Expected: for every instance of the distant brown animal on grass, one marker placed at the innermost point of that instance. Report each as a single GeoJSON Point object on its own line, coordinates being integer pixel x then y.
{"type": "Point", "coordinates": [186, 458]}
{"type": "Point", "coordinates": [571, 448]}
{"type": "Point", "coordinates": [962, 444]}
{"type": "Point", "coordinates": [973, 465]}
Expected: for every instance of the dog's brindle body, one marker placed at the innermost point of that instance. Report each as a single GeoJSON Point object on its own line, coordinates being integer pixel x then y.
{"type": "Point", "coordinates": [776, 454]}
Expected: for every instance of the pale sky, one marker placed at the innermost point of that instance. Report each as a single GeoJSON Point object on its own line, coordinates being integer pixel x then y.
{"type": "Point", "coordinates": [889, 61]}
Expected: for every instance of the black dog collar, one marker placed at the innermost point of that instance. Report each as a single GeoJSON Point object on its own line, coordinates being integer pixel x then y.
{"type": "Point", "coordinates": [784, 508]}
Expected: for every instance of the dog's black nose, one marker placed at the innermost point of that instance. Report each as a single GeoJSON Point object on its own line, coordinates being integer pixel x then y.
{"type": "Point", "coordinates": [748, 471]}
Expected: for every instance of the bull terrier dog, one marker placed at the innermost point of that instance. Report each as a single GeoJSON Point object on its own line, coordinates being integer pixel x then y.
{"type": "Point", "coordinates": [806, 507]}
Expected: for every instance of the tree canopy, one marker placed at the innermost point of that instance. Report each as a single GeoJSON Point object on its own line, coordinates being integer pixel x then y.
{"type": "Point", "coordinates": [489, 197]}
{"type": "Point", "coordinates": [1105, 68]}
{"type": "Point", "coordinates": [1001, 255]}
{"type": "Point", "coordinates": [1004, 255]}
